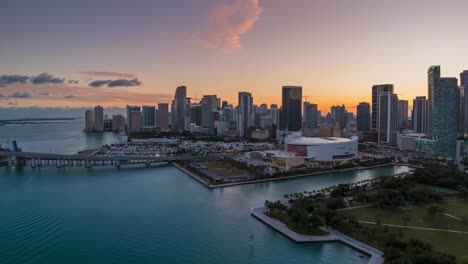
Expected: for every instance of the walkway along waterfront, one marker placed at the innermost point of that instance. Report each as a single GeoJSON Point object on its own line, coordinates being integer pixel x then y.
{"type": "Point", "coordinates": [416, 227]}
{"type": "Point", "coordinates": [333, 236]}
{"type": "Point", "coordinates": [222, 185]}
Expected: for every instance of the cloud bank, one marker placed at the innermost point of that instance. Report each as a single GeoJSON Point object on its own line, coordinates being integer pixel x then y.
{"type": "Point", "coordinates": [43, 78]}
{"type": "Point", "coordinates": [115, 83]}
{"type": "Point", "coordinates": [6, 80]}
{"type": "Point", "coordinates": [228, 22]}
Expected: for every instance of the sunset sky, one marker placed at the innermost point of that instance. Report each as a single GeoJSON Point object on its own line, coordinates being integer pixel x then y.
{"type": "Point", "coordinates": [118, 52]}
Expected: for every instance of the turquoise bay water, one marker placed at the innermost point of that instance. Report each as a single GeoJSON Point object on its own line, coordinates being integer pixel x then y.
{"type": "Point", "coordinates": [64, 137]}
{"type": "Point", "coordinates": [147, 215]}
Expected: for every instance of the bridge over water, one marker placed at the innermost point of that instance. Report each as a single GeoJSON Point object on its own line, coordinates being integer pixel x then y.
{"type": "Point", "coordinates": [35, 159]}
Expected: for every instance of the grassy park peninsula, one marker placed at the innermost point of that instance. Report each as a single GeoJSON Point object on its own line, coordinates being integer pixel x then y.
{"type": "Point", "coordinates": [414, 217]}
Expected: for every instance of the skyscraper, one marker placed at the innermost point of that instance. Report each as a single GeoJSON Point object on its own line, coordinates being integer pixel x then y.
{"type": "Point", "coordinates": [89, 120]}
{"type": "Point", "coordinates": [208, 105]}
{"type": "Point", "coordinates": [178, 109]}
{"type": "Point", "coordinates": [444, 99]}
{"type": "Point", "coordinates": [463, 122]}
{"type": "Point", "coordinates": [244, 114]}
{"type": "Point", "coordinates": [363, 117]}
{"type": "Point", "coordinates": [291, 114]}
{"type": "Point", "coordinates": [118, 123]}
{"type": "Point", "coordinates": [196, 114]}
{"type": "Point", "coordinates": [402, 114]}
{"type": "Point", "coordinates": [229, 114]}
{"type": "Point", "coordinates": [149, 117]}
{"type": "Point", "coordinates": [419, 116]}
{"type": "Point", "coordinates": [339, 116]}
{"type": "Point", "coordinates": [376, 89]}
{"type": "Point", "coordinates": [136, 121]}
{"type": "Point", "coordinates": [464, 78]}
{"type": "Point", "coordinates": [163, 117]}
{"type": "Point", "coordinates": [310, 115]}
{"type": "Point", "coordinates": [130, 109]}
{"type": "Point", "coordinates": [99, 118]}
{"type": "Point", "coordinates": [274, 114]}
{"type": "Point", "coordinates": [433, 76]}
{"type": "Point", "coordinates": [188, 112]}
{"type": "Point", "coordinates": [387, 125]}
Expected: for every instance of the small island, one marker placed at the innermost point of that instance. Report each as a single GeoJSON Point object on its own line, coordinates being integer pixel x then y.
{"type": "Point", "coordinates": [414, 217]}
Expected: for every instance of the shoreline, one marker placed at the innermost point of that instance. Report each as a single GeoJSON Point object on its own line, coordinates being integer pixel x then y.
{"type": "Point", "coordinates": [376, 256]}
{"type": "Point", "coordinates": [191, 174]}
{"type": "Point", "coordinates": [214, 186]}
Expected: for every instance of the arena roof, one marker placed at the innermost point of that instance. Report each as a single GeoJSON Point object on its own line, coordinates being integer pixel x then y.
{"type": "Point", "coordinates": [317, 140]}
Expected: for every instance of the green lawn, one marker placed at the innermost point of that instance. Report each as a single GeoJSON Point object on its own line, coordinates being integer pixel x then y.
{"type": "Point", "coordinates": [439, 190]}
{"type": "Point", "coordinates": [418, 216]}
{"type": "Point", "coordinates": [457, 208]}
{"type": "Point", "coordinates": [300, 229]}
{"type": "Point", "coordinates": [452, 243]}
{"type": "Point", "coordinates": [455, 244]}
{"type": "Point", "coordinates": [223, 168]}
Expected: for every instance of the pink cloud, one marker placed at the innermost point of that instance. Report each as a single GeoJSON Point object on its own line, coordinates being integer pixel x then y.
{"type": "Point", "coordinates": [228, 22]}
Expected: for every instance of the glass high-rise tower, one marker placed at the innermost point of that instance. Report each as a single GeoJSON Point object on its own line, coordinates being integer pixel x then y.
{"type": "Point", "coordinates": [387, 125]}
{"type": "Point", "coordinates": [148, 116]}
{"type": "Point", "coordinates": [419, 115]}
{"type": "Point", "coordinates": [363, 117]}
{"type": "Point", "coordinates": [433, 76]}
{"type": "Point", "coordinates": [291, 114]}
{"type": "Point", "coordinates": [376, 90]}
{"type": "Point", "coordinates": [245, 114]}
{"type": "Point", "coordinates": [179, 109]}
{"type": "Point", "coordinates": [443, 111]}
{"type": "Point", "coordinates": [310, 115]}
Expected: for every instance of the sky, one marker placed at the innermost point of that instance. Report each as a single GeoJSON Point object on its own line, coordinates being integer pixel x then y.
{"type": "Point", "coordinates": [73, 54]}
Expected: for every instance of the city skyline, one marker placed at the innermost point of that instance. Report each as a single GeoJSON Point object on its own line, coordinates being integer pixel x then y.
{"type": "Point", "coordinates": [236, 46]}
{"type": "Point", "coordinates": [234, 131]}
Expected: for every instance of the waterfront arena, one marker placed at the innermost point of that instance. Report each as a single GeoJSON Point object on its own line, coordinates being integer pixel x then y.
{"type": "Point", "coordinates": [323, 148]}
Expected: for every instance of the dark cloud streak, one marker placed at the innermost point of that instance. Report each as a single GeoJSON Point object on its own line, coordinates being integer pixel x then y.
{"type": "Point", "coordinates": [115, 83]}
{"type": "Point", "coordinates": [123, 82]}
{"type": "Point", "coordinates": [99, 83]}
{"type": "Point", "coordinates": [6, 80]}
{"type": "Point", "coordinates": [21, 95]}
{"type": "Point", "coordinates": [45, 78]}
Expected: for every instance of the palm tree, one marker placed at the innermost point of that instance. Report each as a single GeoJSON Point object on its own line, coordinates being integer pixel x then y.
{"type": "Point", "coordinates": [406, 218]}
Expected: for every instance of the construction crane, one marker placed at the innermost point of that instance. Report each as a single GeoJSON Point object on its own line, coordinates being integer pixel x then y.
{"type": "Point", "coordinates": [196, 99]}
{"type": "Point", "coordinates": [307, 96]}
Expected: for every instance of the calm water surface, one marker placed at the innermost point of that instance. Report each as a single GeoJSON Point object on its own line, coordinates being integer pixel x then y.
{"type": "Point", "coordinates": [64, 137]}
{"type": "Point", "coordinates": [145, 215]}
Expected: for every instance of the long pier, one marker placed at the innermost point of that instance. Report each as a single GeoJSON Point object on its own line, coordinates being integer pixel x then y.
{"type": "Point", "coordinates": [36, 159]}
